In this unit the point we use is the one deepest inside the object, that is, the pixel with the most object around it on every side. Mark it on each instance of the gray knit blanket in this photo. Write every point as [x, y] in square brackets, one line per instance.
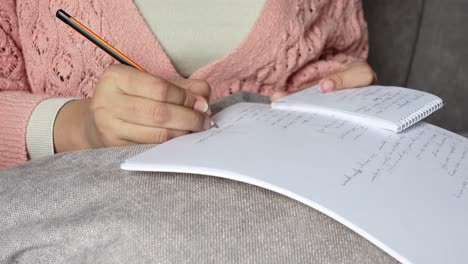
[80, 207]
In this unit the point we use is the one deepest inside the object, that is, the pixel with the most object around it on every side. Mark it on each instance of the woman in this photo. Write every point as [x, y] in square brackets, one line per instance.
[61, 93]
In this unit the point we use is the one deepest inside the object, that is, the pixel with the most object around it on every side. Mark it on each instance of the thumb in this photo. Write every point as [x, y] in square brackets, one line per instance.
[356, 75]
[277, 95]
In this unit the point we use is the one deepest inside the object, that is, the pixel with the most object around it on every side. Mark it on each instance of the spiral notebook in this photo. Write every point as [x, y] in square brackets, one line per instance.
[390, 108]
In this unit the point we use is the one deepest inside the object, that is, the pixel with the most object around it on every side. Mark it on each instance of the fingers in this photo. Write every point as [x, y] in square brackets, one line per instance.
[115, 132]
[278, 95]
[146, 112]
[198, 87]
[356, 75]
[134, 82]
[130, 106]
[132, 133]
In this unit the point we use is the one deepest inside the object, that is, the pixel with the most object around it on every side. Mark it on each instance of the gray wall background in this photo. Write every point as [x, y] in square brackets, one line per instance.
[423, 44]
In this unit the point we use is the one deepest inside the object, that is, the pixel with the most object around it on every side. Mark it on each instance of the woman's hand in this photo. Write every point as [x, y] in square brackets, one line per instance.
[356, 75]
[132, 107]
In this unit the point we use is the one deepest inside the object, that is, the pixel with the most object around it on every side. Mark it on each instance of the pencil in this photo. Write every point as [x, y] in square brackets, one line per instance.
[98, 41]
[93, 37]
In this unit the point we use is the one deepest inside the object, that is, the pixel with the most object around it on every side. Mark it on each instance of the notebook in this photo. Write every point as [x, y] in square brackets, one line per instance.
[405, 192]
[391, 108]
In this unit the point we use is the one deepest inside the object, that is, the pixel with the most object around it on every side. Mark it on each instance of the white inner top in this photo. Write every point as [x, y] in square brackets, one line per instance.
[196, 33]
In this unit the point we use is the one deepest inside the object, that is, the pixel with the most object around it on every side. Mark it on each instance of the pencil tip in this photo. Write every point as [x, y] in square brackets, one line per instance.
[213, 124]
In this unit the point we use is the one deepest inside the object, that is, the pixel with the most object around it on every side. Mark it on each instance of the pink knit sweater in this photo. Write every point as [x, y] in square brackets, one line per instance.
[293, 42]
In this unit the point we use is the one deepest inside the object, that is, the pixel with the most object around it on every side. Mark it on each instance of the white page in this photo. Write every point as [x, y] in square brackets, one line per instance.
[407, 193]
[382, 106]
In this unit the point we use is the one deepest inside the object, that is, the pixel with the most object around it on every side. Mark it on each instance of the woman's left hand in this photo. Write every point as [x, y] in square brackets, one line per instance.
[355, 75]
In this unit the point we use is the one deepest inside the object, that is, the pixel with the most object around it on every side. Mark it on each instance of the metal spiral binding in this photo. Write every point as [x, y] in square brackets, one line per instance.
[417, 116]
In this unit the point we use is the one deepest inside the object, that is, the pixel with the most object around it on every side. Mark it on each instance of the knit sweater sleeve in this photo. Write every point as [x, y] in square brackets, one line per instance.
[16, 99]
[349, 43]
[340, 34]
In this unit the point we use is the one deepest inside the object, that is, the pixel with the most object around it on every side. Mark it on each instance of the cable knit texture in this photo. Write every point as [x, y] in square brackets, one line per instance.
[292, 43]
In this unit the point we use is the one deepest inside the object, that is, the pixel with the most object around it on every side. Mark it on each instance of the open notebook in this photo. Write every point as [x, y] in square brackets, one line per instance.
[407, 193]
[391, 108]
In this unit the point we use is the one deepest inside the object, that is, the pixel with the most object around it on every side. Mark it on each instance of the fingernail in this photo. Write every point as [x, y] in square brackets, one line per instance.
[209, 113]
[207, 123]
[327, 86]
[201, 105]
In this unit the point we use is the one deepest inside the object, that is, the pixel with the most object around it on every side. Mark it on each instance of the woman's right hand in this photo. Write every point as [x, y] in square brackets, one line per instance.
[132, 107]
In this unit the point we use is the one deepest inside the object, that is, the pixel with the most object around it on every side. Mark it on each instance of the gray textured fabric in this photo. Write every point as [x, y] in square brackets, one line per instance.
[441, 60]
[393, 31]
[422, 44]
[80, 207]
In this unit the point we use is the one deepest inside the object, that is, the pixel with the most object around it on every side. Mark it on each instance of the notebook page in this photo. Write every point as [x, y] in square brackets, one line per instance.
[407, 193]
[374, 105]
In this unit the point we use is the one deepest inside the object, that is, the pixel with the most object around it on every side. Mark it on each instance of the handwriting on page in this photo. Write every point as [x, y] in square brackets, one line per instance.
[382, 100]
[449, 153]
[226, 121]
[432, 146]
[462, 190]
[370, 101]
[263, 115]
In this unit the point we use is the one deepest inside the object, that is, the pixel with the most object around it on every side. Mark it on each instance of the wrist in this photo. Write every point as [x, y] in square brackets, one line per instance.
[68, 132]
